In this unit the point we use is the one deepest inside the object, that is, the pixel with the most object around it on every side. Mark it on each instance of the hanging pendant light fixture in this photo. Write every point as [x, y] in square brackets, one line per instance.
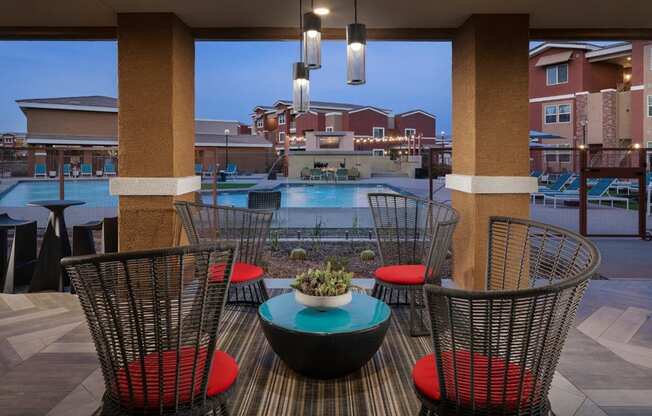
[356, 44]
[300, 77]
[312, 39]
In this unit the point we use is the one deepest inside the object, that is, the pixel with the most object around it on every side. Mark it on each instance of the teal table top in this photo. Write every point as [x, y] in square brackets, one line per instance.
[362, 313]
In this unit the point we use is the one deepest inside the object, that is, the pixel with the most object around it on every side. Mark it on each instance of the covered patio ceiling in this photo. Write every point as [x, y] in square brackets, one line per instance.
[276, 19]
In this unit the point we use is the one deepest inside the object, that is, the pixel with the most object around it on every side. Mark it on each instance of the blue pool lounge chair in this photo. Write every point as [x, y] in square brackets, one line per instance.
[554, 187]
[597, 193]
[109, 169]
[66, 169]
[198, 169]
[86, 169]
[40, 170]
[231, 170]
[208, 172]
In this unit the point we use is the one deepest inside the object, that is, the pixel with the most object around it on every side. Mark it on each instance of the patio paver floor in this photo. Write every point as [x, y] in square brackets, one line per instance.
[47, 363]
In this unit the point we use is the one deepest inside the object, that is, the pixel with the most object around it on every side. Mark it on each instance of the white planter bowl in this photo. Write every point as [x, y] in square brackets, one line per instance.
[322, 303]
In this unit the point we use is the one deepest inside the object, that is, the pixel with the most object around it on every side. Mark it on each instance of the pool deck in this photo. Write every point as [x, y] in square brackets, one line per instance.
[49, 367]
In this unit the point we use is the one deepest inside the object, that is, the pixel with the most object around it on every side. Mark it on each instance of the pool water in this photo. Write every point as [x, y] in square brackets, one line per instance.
[96, 194]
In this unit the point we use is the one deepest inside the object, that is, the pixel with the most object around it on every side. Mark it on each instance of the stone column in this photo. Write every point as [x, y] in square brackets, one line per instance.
[610, 118]
[156, 128]
[490, 135]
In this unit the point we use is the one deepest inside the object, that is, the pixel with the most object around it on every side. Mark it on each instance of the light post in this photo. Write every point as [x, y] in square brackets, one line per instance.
[226, 155]
[443, 135]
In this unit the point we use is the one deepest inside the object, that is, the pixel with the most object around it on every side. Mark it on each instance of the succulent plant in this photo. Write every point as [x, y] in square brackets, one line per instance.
[326, 282]
[367, 255]
[298, 254]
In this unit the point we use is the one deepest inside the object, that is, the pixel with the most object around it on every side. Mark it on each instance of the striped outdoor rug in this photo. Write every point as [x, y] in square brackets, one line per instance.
[266, 386]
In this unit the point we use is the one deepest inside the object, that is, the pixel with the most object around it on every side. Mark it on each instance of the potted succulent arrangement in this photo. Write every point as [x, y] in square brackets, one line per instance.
[323, 289]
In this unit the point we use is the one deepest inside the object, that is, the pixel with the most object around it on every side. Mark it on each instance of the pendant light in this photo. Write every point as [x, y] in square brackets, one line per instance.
[356, 43]
[312, 39]
[300, 77]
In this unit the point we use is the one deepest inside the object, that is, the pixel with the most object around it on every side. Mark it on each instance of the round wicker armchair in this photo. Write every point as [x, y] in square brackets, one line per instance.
[414, 237]
[247, 227]
[495, 351]
[153, 316]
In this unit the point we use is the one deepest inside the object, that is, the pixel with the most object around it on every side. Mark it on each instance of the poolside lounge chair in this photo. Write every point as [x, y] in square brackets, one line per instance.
[208, 173]
[557, 186]
[198, 168]
[342, 174]
[305, 173]
[109, 169]
[86, 169]
[231, 170]
[40, 170]
[315, 174]
[536, 173]
[597, 193]
[66, 169]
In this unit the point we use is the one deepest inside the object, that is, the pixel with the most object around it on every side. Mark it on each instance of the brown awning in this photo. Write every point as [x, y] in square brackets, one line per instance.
[555, 59]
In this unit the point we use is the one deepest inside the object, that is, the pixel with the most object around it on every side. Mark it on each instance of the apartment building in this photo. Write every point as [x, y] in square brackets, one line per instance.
[593, 95]
[372, 127]
[85, 124]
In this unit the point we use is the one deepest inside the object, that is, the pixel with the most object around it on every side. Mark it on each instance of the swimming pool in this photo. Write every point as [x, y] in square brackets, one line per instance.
[96, 194]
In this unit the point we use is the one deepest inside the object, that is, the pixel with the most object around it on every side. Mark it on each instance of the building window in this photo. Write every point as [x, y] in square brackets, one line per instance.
[259, 123]
[378, 132]
[564, 113]
[281, 137]
[281, 118]
[329, 128]
[551, 114]
[557, 74]
[410, 132]
[649, 105]
[378, 152]
[558, 113]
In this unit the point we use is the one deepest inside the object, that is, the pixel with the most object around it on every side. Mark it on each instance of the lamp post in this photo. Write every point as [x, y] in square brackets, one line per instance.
[226, 154]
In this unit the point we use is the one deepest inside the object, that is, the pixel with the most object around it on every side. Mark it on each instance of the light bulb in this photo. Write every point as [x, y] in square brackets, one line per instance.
[356, 46]
[321, 11]
[312, 33]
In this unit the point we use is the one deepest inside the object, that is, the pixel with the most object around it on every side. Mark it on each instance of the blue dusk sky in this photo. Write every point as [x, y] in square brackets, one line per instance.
[234, 77]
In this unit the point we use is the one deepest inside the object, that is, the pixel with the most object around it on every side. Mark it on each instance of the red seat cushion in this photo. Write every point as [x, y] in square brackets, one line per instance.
[426, 380]
[223, 374]
[242, 272]
[402, 274]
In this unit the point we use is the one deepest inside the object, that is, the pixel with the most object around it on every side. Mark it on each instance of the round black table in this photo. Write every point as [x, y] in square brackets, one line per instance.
[324, 344]
[55, 246]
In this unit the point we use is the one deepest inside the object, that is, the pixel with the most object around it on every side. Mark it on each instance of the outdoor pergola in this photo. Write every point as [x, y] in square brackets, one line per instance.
[156, 59]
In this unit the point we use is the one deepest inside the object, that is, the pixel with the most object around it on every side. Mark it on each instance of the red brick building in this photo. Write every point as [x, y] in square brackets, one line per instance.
[373, 127]
[593, 95]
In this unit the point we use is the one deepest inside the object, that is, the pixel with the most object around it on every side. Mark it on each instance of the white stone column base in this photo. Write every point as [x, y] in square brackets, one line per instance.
[148, 186]
[471, 184]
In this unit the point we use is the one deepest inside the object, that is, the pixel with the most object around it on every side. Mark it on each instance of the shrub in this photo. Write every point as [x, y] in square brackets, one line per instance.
[367, 255]
[298, 254]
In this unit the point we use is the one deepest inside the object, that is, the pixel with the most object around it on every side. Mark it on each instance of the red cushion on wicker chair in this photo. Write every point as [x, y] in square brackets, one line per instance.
[223, 374]
[426, 380]
[402, 274]
[242, 272]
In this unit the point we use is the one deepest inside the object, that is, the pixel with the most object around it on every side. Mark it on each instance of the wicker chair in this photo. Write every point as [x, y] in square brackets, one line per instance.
[495, 351]
[414, 238]
[153, 316]
[264, 200]
[249, 228]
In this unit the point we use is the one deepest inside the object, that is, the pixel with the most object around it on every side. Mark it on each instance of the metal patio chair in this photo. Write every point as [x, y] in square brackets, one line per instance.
[414, 237]
[246, 227]
[495, 351]
[153, 316]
